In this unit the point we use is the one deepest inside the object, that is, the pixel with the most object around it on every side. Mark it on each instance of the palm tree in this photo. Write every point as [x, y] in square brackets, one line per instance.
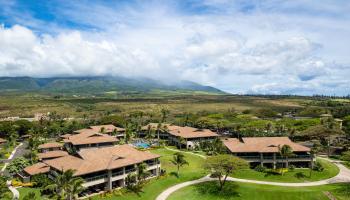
[142, 172]
[165, 113]
[66, 185]
[76, 187]
[179, 161]
[149, 133]
[129, 134]
[286, 151]
[159, 126]
[292, 133]
[181, 142]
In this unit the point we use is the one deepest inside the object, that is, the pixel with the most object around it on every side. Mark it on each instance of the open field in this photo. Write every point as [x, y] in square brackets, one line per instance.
[29, 104]
[238, 191]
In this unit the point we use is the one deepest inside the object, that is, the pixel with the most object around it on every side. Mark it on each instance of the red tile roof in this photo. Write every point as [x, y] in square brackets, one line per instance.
[38, 168]
[93, 160]
[261, 145]
[50, 145]
[90, 138]
[190, 132]
[107, 128]
[52, 154]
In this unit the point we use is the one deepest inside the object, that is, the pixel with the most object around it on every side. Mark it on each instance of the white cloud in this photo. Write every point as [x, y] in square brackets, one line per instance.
[257, 51]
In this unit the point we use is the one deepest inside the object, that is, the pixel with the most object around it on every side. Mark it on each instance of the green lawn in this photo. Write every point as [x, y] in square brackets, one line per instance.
[240, 191]
[330, 170]
[156, 186]
[25, 190]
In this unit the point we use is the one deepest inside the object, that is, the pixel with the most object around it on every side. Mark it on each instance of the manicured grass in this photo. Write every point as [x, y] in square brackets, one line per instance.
[330, 170]
[23, 191]
[240, 191]
[156, 186]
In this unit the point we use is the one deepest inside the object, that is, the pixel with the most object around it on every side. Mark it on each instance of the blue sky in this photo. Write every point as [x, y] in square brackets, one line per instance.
[266, 47]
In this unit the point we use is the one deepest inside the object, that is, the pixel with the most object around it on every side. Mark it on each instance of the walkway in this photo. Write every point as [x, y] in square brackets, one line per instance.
[13, 190]
[15, 153]
[12, 156]
[343, 176]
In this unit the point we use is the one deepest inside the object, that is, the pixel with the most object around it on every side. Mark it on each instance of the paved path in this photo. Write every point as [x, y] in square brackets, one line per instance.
[176, 150]
[12, 156]
[343, 176]
[15, 153]
[13, 190]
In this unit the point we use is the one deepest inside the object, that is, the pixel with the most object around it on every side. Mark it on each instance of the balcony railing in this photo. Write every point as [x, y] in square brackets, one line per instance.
[277, 157]
[250, 157]
[130, 170]
[89, 179]
[117, 173]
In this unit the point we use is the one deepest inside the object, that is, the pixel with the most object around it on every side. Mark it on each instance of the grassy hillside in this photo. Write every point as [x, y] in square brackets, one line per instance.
[100, 86]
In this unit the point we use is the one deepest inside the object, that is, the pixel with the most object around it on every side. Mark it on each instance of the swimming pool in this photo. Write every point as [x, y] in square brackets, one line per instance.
[142, 145]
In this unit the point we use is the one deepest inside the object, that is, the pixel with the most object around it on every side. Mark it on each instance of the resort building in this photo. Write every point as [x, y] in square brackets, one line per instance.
[188, 136]
[50, 146]
[109, 129]
[266, 151]
[88, 138]
[155, 127]
[102, 168]
[51, 150]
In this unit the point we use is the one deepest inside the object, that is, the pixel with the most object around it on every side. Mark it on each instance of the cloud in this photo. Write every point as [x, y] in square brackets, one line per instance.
[269, 47]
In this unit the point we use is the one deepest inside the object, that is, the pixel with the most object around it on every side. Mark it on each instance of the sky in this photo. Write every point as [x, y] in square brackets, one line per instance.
[240, 46]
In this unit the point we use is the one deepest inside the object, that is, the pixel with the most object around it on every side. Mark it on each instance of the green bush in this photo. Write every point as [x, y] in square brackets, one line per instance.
[318, 167]
[345, 156]
[300, 175]
[291, 167]
[260, 168]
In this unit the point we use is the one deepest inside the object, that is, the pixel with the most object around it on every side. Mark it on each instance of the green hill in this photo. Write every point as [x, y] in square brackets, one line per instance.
[101, 85]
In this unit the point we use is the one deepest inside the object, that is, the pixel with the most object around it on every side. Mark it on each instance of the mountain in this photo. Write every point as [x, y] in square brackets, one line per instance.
[101, 85]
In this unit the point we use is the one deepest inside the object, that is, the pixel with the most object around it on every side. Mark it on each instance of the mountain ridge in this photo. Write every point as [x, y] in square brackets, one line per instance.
[99, 84]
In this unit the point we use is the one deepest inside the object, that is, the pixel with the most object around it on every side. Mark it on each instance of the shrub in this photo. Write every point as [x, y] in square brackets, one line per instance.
[345, 156]
[260, 168]
[17, 165]
[318, 167]
[41, 180]
[291, 167]
[300, 175]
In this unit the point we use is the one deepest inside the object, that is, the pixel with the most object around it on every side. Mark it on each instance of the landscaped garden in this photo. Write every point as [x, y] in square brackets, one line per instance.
[154, 187]
[292, 175]
[238, 191]
[194, 170]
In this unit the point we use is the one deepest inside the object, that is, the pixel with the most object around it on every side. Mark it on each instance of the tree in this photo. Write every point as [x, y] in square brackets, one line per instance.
[286, 151]
[179, 161]
[132, 184]
[17, 165]
[150, 133]
[181, 142]
[142, 172]
[223, 165]
[164, 113]
[66, 186]
[129, 133]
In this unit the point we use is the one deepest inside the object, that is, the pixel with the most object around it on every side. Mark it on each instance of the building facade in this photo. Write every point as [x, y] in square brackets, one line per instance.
[265, 151]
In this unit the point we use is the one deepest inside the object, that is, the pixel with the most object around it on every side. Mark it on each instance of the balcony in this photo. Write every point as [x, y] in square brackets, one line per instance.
[117, 173]
[94, 178]
[130, 170]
